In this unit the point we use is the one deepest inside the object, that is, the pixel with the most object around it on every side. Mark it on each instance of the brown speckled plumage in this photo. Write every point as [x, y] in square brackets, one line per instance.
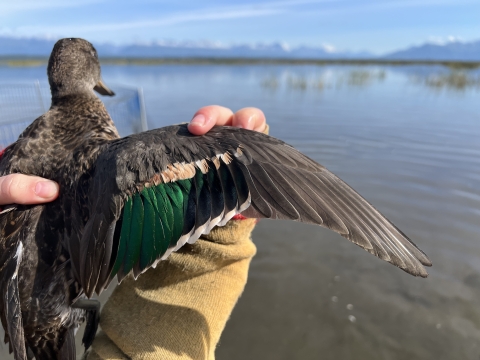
[61, 145]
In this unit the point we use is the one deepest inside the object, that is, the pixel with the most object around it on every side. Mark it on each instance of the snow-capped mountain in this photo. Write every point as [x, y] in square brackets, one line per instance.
[36, 47]
[205, 49]
[450, 51]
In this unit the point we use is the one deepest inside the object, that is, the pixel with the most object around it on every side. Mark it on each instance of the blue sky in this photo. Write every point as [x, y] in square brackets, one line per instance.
[375, 25]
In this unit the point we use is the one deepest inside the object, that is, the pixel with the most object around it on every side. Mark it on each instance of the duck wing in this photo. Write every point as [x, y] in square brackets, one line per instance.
[153, 192]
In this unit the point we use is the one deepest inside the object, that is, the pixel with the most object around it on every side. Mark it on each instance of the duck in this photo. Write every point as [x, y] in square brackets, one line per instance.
[127, 203]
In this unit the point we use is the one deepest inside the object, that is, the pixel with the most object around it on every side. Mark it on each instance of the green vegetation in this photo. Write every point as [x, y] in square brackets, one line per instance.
[38, 61]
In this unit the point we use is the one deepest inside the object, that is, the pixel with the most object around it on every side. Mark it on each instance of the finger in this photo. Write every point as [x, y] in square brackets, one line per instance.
[250, 118]
[23, 189]
[209, 116]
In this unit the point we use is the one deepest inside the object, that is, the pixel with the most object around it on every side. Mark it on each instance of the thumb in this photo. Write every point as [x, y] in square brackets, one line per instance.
[24, 189]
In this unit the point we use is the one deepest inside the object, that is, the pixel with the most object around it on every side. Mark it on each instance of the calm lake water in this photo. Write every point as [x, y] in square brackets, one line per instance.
[408, 139]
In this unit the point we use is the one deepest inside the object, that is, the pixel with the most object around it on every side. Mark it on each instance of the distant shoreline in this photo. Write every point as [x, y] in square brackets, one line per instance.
[41, 61]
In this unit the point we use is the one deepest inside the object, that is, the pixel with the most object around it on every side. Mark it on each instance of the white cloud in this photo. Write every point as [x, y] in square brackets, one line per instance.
[211, 14]
[441, 40]
[285, 46]
[329, 48]
[11, 7]
[418, 3]
[159, 22]
[452, 38]
[387, 5]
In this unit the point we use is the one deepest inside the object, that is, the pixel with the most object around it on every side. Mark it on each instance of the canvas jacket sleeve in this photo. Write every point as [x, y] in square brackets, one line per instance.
[179, 309]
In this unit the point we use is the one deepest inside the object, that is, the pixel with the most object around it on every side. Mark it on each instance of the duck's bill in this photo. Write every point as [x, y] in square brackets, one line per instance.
[103, 89]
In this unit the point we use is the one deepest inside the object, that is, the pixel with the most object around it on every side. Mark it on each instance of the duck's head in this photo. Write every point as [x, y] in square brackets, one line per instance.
[74, 69]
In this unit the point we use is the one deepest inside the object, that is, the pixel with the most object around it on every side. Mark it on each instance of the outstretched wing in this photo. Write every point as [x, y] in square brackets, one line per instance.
[153, 192]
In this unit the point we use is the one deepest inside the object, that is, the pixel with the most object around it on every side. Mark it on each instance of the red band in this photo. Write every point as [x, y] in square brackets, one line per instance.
[241, 217]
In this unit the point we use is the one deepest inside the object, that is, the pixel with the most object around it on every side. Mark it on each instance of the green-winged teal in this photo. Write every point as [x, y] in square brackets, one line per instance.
[127, 203]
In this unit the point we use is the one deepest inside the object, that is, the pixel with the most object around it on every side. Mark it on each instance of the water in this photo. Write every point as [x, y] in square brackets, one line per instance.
[408, 144]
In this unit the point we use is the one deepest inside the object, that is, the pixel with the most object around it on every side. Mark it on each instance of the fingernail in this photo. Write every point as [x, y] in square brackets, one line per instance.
[46, 189]
[199, 120]
[250, 123]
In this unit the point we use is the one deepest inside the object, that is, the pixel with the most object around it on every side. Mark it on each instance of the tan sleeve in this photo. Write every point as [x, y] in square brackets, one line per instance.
[179, 309]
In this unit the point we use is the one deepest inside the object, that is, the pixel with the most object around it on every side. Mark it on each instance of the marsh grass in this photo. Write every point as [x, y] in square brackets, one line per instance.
[457, 80]
[454, 65]
[270, 82]
[293, 82]
[23, 62]
[362, 77]
[297, 82]
[301, 82]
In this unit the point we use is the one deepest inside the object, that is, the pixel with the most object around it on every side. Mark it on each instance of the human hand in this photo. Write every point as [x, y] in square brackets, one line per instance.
[24, 189]
[209, 116]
